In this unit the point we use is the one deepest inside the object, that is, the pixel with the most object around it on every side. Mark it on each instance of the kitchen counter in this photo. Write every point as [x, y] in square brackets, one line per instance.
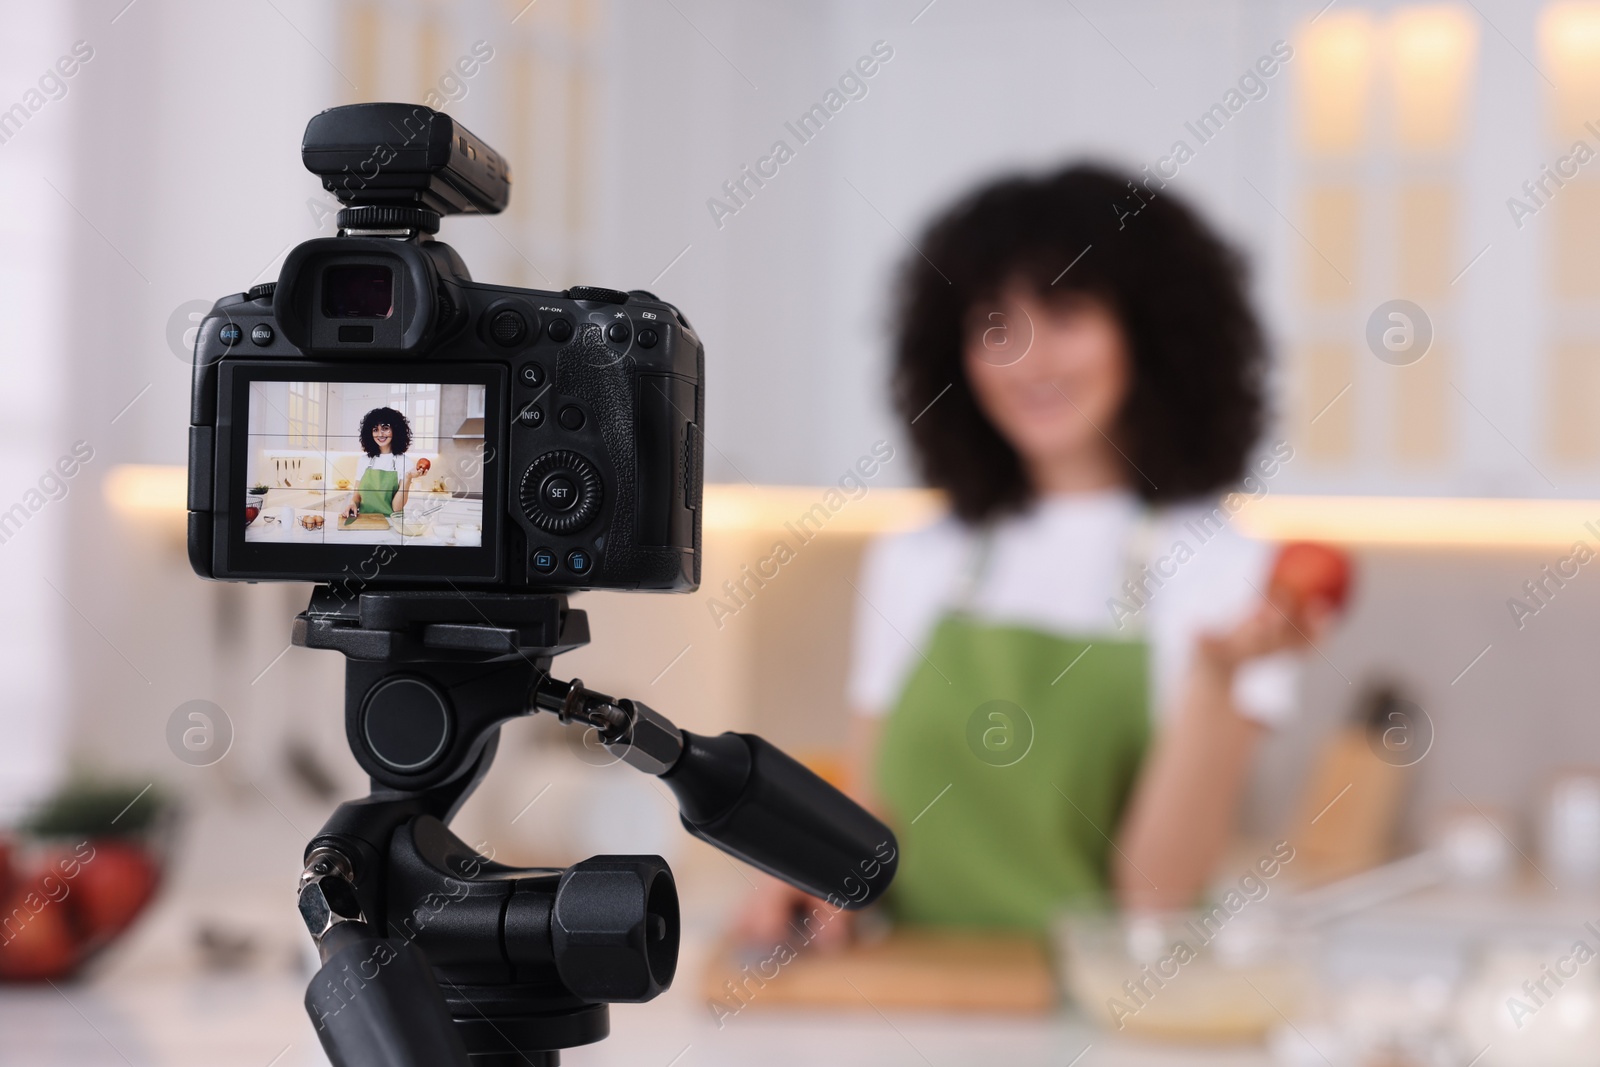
[150, 1002]
[253, 1020]
[279, 521]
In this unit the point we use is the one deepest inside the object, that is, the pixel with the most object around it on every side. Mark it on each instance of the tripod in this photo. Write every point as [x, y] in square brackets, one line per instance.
[433, 954]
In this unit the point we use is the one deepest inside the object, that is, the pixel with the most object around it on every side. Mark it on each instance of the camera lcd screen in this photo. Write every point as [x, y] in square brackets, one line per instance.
[358, 291]
[365, 463]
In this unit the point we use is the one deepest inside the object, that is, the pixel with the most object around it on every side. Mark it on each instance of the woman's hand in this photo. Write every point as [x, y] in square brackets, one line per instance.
[779, 912]
[1181, 816]
[352, 511]
[1277, 625]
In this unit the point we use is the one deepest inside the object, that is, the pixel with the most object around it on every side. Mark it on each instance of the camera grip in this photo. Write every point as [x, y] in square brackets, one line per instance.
[754, 802]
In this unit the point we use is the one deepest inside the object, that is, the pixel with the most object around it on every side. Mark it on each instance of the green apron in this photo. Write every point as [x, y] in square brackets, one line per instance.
[1005, 767]
[377, 489]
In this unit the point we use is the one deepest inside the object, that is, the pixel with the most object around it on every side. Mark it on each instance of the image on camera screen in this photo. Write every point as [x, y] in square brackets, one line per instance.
[365, 463]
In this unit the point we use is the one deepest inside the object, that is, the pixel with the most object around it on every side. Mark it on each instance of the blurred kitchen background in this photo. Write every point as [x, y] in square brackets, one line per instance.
[1427, 152]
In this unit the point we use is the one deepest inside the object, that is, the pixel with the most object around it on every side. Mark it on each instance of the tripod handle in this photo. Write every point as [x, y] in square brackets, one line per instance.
[375, 1003]
[747, 797]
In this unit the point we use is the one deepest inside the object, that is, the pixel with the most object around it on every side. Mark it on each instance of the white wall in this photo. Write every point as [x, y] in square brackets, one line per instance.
[39, 637]
[791, 294]
[184, 159]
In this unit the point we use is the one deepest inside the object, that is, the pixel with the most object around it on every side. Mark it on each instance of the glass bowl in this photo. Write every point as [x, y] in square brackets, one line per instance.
[1213, 975]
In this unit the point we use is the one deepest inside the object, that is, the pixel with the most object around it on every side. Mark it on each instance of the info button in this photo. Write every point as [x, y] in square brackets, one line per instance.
[559, 493]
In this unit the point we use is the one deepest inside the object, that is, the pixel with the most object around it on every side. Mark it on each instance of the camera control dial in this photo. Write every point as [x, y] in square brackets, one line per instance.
[560, 492]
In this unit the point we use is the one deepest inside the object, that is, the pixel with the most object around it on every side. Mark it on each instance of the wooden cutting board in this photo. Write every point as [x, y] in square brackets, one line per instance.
[365, 522]
[919, 970]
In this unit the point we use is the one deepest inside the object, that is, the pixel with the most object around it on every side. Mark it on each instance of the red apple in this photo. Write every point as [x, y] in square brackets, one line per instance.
[1309, 573]
[112, 887]
[423, 465]
[35, 945]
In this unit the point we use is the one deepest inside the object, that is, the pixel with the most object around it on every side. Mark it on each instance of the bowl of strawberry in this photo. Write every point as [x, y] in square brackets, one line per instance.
[75, 876]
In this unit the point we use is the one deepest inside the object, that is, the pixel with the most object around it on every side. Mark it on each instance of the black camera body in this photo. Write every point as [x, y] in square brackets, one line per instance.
[376, 419]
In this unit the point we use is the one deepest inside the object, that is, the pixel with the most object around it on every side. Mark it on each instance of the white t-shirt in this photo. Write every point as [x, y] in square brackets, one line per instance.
[383, 461]
[1060, 567]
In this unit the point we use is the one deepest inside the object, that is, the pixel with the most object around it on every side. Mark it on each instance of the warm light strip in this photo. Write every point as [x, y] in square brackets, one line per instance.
[148, 490]
[135, 490]
[754, 509]
[1421, 521]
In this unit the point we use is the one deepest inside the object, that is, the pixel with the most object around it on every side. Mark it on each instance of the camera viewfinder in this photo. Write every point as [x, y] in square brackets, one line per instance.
[358, 291]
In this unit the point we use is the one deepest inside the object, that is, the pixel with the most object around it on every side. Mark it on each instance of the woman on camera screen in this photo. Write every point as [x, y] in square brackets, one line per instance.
[1059, 684]
[383, 483]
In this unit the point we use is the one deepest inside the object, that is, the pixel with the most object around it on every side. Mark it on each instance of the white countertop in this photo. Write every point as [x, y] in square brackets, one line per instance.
[254, 1020]
[150, 1003]
[440, 514]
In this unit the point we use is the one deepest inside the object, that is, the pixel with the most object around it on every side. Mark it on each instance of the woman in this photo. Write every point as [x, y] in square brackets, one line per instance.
[381, 489]
[1059, 685]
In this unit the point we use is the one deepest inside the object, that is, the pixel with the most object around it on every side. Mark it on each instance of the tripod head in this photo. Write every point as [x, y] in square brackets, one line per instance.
[432, 952]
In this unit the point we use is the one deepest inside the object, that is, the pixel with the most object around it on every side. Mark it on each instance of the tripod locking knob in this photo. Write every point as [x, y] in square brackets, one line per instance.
[327, 892]
[641, 736]
[614, 928]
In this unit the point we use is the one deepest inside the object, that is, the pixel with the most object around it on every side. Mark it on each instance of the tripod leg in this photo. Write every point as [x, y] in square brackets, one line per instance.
[375, 1003]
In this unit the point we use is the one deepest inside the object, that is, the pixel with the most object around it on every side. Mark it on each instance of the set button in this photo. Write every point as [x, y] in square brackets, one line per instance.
[559, 493]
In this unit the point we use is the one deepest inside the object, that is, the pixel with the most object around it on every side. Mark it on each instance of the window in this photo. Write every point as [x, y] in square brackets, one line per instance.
[306, 400]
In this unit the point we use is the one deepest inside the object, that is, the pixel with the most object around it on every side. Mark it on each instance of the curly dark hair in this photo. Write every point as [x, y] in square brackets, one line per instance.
[398, 427]
[1195, 404]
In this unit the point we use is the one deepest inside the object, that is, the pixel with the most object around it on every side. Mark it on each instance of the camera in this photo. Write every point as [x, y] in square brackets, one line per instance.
[446, 460]
[377, 419]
